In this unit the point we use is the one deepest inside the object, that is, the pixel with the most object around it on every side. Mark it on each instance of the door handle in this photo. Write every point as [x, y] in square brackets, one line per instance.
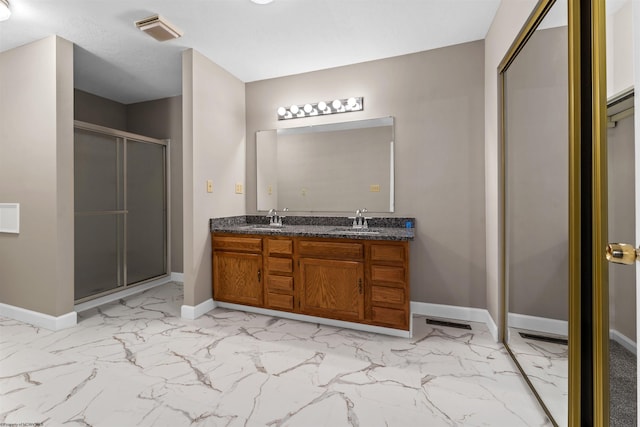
[622, 253]
[259, 275]
[360, 286]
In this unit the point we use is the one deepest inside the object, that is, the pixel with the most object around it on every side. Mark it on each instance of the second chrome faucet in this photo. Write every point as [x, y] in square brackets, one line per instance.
[360, 221]
[275, 220]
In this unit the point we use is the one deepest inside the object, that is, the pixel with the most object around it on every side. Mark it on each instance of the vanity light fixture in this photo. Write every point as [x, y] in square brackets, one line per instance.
[5, 10]
[321, 108]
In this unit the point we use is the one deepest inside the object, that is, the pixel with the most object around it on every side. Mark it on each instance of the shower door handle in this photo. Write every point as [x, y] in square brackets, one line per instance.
[622, 253]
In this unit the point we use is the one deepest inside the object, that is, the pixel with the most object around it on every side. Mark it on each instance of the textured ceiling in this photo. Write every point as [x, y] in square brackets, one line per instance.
[115, 60]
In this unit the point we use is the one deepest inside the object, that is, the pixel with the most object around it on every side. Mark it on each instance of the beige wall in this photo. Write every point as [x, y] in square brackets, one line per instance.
[622, 214]
[510, 17]
[162, 119]
[619, 50]
[437, 100]
[213, 148]
[36, 170]
[101, 111]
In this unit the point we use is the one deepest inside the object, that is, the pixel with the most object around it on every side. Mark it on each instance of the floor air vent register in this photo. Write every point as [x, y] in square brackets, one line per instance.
[449, 324]
[544, 338]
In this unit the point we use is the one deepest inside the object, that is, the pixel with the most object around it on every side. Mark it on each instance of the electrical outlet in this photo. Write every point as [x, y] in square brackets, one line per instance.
[238, 188]
[209, 186]
[269, 190]
[374, 188]
[303, 192]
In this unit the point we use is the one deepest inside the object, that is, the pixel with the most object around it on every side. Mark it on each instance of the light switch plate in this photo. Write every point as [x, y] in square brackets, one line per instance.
[238, 188]
[374, 188]
[209, 186]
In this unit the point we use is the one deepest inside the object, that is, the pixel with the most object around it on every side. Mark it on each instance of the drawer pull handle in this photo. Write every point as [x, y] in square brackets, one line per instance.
[259, 275]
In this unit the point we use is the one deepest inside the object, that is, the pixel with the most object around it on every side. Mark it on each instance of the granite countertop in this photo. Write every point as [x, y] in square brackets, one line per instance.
[389, 228]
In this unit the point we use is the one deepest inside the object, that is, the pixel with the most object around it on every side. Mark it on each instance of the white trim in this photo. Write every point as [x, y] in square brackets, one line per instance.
[191, 312]
[87, 305]
[455, 312]
[177, 277]
[624, 341]
[540, 324]
[314, 319]
[36, 318]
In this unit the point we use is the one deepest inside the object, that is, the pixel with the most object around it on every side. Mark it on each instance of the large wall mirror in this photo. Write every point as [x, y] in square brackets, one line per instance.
[336, 167]
[536, 208]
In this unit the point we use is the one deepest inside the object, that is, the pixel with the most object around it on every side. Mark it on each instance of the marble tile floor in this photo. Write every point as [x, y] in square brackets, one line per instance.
[137, 363]
[547, 367]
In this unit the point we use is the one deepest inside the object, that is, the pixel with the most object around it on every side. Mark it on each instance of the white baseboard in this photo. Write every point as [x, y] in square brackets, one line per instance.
[87, 305]
[314, 319]
[177, 277]
[455, 312]
[193, 312]
[54, 323]
[540, 324]
[624, 341]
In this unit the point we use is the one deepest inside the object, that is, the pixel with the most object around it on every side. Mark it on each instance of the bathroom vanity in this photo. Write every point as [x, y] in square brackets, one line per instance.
[325, 271]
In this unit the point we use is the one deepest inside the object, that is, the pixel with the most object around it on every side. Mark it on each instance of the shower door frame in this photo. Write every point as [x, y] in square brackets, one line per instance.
[124, 136]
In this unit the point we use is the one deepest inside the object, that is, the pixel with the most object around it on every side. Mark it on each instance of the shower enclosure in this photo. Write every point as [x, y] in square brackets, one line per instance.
[121, 215]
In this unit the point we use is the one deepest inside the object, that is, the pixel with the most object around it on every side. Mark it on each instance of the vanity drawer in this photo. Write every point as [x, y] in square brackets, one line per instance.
[279, 246]
[280, 265]
[386, 295]
[337, 250]
[393, 276]
[279, 283]
[233, 243]
[280, 301]
[390, 317]
[388, 253]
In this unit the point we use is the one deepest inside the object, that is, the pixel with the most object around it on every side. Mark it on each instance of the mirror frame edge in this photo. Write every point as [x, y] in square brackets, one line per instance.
[574, 338]
[600, 286]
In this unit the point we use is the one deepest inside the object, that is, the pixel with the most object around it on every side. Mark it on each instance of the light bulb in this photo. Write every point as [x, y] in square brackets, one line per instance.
[308, 108]
[5, 11]
[294, 109]
[336, 104]
[322, 105]
[282, 111]
[351, 102]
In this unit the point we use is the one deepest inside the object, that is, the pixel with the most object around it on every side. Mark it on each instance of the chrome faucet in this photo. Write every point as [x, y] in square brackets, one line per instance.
[273, 217]
[360, 221]
[275, 220]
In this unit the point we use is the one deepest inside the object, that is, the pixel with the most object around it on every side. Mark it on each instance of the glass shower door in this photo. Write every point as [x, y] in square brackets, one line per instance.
[120, 210]
[99, 213]
[146, 211]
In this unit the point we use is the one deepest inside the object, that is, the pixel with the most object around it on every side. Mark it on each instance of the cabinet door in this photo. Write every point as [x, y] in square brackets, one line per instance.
[332, 288]
[237, 277]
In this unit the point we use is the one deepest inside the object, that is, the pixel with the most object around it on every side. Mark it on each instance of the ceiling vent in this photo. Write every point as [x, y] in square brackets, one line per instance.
[159, 28]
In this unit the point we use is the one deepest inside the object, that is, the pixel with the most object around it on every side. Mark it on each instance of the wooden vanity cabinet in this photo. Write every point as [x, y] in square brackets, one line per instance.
[389, 283]
[364, 281]
[279, 285]
[331, 277]
[237, 270]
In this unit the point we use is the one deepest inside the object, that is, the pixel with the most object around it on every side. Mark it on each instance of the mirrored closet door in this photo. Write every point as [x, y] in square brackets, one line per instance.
[536, 208]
